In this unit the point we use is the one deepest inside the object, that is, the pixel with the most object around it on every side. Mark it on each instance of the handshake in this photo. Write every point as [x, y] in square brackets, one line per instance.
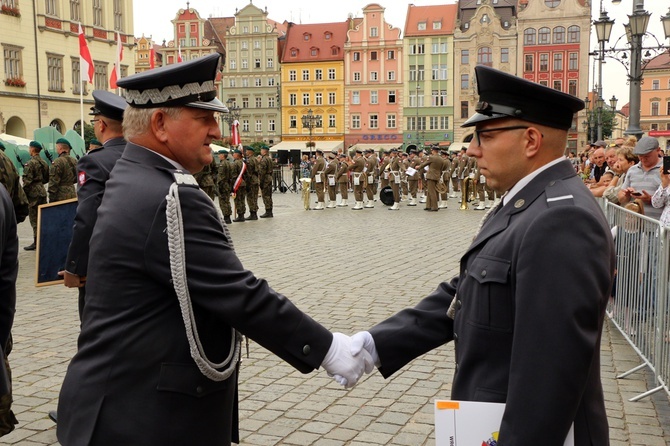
[349, 357]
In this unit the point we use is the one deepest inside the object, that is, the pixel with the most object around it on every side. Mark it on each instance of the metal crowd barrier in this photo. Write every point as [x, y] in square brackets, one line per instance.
[640, 300]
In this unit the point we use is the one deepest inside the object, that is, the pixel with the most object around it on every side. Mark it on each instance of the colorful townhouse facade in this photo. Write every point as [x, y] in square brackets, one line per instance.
[655, 98]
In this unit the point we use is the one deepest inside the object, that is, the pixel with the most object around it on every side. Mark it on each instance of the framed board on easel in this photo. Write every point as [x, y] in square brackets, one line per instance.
[54, 232]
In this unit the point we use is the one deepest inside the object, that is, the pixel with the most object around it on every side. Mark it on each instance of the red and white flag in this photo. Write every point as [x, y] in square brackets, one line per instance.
[179, 58]
[86, 67]
[116, 71]
[152, 57]
[240, 177]
[235, 139]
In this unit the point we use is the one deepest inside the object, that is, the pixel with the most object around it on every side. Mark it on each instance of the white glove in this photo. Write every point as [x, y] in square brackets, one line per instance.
[363, 341]
[342, 365]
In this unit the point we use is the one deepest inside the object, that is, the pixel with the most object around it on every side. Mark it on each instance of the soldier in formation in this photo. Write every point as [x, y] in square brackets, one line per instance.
[224, 183]
[342, 179]
[238, 175]
[206, 180]
[393, 168]
[329, 177]
[443, 184]
[357, 169]
[372, 174]
[265, 172]
[318, 181]
[35, 176]
[252, 183]
[63, 173]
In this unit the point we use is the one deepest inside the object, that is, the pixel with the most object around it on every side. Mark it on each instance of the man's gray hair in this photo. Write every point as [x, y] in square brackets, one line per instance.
[136, 121]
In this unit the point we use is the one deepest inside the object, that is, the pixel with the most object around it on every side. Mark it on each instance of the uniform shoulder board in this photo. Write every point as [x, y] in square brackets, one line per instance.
[184, 179]
[558, 194]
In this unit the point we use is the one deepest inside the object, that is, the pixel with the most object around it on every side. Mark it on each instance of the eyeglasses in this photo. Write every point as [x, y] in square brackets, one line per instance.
[93, 121]
[497, 129]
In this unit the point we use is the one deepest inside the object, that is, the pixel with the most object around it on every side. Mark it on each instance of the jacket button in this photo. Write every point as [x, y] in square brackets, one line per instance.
[455, 337]
[484, 273]
[459, 304]
[198, 389]
[465, 271]
[306, 350]
[456, 369]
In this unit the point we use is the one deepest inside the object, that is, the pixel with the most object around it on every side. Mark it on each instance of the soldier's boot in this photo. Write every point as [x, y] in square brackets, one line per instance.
[444, 204]
[343, 203]
[395, 207]
[358, 206]
[227, 220]
[319, 206]
[239, 219]
[480, 206]
[487, 203]
[369, 204]
[268, 214]
[252, 215]
[412, 202]
[423, 199]
[331, 205]
[31, 247]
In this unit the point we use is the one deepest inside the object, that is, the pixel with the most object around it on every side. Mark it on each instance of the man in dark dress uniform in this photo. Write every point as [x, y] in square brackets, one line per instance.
[167, 299]
[526, 311]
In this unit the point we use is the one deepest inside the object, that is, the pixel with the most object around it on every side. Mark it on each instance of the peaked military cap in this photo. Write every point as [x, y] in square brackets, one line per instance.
[184, 84]
[318, 152]
[108, 104]
[502, 95]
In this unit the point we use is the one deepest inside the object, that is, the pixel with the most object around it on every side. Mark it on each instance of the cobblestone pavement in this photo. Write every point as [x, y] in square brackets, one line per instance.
[349, 270]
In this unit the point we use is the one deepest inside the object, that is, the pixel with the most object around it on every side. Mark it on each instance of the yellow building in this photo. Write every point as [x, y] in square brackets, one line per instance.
[40, 82]
[312, 79]
[146, 51]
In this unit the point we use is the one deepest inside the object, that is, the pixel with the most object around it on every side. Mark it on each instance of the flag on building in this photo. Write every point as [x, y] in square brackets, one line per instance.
[116, 71]
[235, 139]
[179, 58]
[152, 57]
[86, 67]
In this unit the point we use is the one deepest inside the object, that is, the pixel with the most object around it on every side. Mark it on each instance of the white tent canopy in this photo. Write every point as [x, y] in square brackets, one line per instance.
[17, 140]
[300, 145]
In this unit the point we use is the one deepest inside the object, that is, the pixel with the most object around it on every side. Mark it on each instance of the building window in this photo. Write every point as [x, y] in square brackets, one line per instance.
[374, 31]
[270, 62]
[118, 15]
[529, 36]
[314, 52]
[245, 44]
[50, 8]
[559, 34]
[245, 103]
[233, 64]
[390, 75]
[504, 55]
[100, 78]
[271, 102]
[374, 121]
[465, 112]
[373, 55]
[271, 82]
[654, 108]
[558, 85]
[331, 74]
[232, 83]
[318, 74]
[245, 64]
[552, 3]
[75, 10]
[305, 99]
[258, 82]
[528, 63]
[374, 97]
[444, 122]
[318, 98]
[355, 97]
[435, 72]
[259, 102]
[390, 121]
[257, 62]
[465, 57]
[439, 48]
[305, 75]
[374, 76]
[13, 66]
[292, 75]
[667, 110]
[543, 36]
[245, 82]
[573, 61]
[271, 125]
[259, 125]
[245, 125]
[437, 25]
[194, 42]
[558, 61]
[433, 123]
[465, 81]
[412, 72]
[485, 56]
[331, 98]
[327, 36]
[355, 121]
[97, 12]
[421, 26]
[293, 122]
[417, 48]
[572, 87]
[357, 76]
[544, 62]
[76, 77]
[357, 56]
[544, 83]
[573, 34]
[390, 54]
[391, 97]
[257, 44]
[655, 84]
[292, 99]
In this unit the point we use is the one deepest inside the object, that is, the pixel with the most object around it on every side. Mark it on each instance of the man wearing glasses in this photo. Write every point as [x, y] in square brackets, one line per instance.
[526, 311]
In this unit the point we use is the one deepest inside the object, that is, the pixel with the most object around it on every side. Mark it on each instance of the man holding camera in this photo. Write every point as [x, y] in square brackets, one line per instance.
[643, 178]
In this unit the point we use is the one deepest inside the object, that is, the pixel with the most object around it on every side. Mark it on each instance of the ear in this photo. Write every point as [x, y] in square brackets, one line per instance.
[533, 140]
[159, 125]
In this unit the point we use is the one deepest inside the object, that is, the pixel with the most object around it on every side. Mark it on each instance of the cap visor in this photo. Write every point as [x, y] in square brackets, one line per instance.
[479, 117]
[214, 105]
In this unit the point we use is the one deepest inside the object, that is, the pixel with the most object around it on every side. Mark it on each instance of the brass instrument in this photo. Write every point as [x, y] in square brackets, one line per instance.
[468, 192]
[442, 187]
[305, 191]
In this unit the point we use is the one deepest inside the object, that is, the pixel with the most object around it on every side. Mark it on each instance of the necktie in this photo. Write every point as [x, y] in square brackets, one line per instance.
[490, 213]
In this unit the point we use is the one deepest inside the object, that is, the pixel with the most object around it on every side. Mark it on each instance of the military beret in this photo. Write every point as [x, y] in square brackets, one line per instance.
[108, 104]
[2, 146]
[63, 141]
[35, 144]
[94, 142]
[645, 145]
[502, 95]
[249, 149]
[222, 152]
[238, 151]
[184, 84]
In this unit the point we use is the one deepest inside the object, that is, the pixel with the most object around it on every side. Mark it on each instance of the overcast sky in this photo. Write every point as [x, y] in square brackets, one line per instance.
[154, 21]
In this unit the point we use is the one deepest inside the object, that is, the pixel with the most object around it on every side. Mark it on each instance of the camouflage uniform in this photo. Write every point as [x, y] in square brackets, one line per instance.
[225, 185]
[240, 206]
[62, 177]
[9, 177]
[205, 179]
[265, 171]
[252, 184]
[35, 176]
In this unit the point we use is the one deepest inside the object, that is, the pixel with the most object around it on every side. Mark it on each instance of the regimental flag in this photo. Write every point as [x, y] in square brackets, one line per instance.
[235, 139]
[179, 58]
[86, 67]
[116, 71]
[152, 57]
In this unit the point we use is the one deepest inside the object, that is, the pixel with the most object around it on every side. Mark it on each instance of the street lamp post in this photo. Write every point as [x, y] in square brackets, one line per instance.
[232, 115]
[309, 121]
[603, 31]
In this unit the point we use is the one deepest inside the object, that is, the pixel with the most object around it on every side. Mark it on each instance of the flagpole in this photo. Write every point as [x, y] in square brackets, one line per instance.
[81, 109]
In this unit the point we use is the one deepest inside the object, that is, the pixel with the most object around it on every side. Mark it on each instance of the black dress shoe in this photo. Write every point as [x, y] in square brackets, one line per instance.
[53, 415]
[30, 247]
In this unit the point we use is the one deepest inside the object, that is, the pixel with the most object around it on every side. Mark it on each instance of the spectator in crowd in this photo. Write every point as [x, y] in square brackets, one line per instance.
[661, 198]
[625, 160]
[643, 178]
[599, 165]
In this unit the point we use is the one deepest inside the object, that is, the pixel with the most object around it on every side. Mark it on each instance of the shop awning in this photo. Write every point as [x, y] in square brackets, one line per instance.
[300, 145]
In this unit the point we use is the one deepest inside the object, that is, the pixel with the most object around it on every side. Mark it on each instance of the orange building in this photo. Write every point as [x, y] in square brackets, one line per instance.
[655, 103]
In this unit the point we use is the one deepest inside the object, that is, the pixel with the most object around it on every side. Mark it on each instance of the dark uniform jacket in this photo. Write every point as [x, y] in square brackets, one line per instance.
[265, 169]
[530, 313]
[435, 164]
[35, 176]
[62, 177]
[92, 173]
[132, 380]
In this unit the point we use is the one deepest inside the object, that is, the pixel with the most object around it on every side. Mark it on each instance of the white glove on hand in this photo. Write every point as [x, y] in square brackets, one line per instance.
[342, 365]
[363, 341]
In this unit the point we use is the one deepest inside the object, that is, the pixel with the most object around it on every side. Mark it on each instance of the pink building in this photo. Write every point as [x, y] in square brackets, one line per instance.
[373, 82]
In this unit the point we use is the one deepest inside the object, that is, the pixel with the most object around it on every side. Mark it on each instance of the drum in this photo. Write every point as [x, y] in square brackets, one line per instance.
[386, 196]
